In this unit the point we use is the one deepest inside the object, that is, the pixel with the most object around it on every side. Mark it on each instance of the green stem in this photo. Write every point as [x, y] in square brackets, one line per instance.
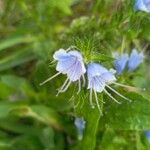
[92, 117]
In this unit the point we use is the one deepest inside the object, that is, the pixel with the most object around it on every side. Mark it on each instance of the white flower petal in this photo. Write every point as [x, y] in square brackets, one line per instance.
[108, 77]
[142, 5]
[65, 64]
[76, 54]
[135, 60]
[95, 69]
[59, 54]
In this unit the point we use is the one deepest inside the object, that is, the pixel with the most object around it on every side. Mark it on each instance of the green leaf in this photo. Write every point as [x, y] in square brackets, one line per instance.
[14, 41]
[17, 126]
[17, 58]
[40, 113]
[13, 81]
[27, 142]
[63, 6]
[133, 115]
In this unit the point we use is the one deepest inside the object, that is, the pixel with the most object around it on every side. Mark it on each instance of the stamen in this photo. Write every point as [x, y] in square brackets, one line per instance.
[84, 81]
[91, 102]
[111, 96]
[81, 105]
[96, 98]
[50, 78]
[118, 93]
[79, 86]
[63, 90]
[128, 87]
[72, 98]
[62, 87]
[75, 106]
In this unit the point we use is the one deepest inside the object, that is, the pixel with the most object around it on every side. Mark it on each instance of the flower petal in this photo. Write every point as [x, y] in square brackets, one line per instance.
[142, 5]
[108, 77]
[120, 62]
[135, 60]
[76, 54]
[59, 54]
[95, 69]
[64, 64]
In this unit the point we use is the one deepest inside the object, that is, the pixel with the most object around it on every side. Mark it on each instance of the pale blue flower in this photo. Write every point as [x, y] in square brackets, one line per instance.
[120, 62]
[69, 63]
[147, 133]
[99, 78]
[143, 5]
[135, 60]
[80, 125]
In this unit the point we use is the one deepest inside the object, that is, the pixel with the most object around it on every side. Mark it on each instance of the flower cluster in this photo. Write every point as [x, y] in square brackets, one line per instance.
[132, 62]
[71, 63]
[143, 5]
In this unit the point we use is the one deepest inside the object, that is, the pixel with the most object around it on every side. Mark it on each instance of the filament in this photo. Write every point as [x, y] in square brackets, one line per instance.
[91, 102]
[79, 86]
[65, 88]
[50, 78]
[128, 87]
[111, 96]
[61, 88]
[96, 98]
[84, 82]
[118, 93]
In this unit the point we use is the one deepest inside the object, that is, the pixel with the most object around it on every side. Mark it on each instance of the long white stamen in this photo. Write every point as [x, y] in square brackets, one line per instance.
[91, 102]
[50, 78]
[63, 90]
[79, 86]
[84, 81]
[81, 105]
[96, 98]
[128, 87]
[111, 96]
[118, 93]
[71, 99]
[75, 106]
[62, 87]
[64, 84]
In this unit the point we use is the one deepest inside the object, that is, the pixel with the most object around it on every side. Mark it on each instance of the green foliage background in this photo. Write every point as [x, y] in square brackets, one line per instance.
[31, 116]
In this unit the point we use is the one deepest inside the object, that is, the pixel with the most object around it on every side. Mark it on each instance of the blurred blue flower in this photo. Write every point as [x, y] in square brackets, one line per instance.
[80, 125]
[143, 5]
[99, 78]
[147, 133]
[69, 63]
[135, 60]
[120, 62]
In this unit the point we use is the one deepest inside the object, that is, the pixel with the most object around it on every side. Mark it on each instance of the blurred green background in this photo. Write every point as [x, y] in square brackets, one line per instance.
[31, 116]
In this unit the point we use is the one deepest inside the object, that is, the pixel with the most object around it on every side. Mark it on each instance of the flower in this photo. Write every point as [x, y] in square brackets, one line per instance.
[80, 125]
[143, 5]
[147, 133]
[120, 62]
[135, 59]
[69, 63]
[99, 78]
